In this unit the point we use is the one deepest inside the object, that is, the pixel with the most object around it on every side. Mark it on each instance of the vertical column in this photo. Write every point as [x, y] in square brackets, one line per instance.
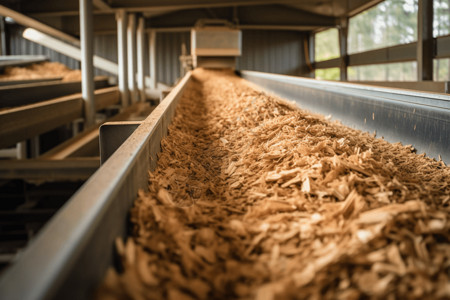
[152, 56]
[121, 18]
[425, 43]
[21, 149]
[140, 58]
[87, 70]
[343, 34]
[312, 53]
[131, 43]
[2, 36]
[35, 145]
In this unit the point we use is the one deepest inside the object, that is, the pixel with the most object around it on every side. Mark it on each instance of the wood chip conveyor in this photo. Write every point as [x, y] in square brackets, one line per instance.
[68, 259]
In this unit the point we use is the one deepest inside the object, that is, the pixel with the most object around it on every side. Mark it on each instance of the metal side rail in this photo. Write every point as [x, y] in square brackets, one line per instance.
[69, 257]
[413, 118]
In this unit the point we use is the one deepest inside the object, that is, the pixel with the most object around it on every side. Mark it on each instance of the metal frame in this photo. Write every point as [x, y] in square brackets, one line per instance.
[152, 58]
[29, 93]
[87, 69]
[75, 247]
[72, 169]
[425, 46]
[87, 142]
[131, 53]
[28, 121]
[121, 18]
[423, 51]
[30, 22]
[67, 49]
[141, 58]
[113, 135]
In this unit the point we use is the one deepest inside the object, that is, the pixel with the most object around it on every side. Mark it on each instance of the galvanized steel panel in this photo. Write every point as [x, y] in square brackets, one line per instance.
[272, 51]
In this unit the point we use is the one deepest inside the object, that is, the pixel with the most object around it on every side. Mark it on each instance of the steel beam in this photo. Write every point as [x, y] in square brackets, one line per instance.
[67, 49]
[30, 22]
[87, 69]
[49, 170]
[87, 143]
[3, 45]
[331, 63]
[101, 5]
[131, 51]
[398, 53]
[423, 86]
[343, 42]
[24, 94]
[311, 40]
[152, 59]
[121, 18]
[425, 44]
[416, 118]
[27, 121]
[443, 47]
[74, 248]
[141, 58]
[20, 60]
[113, 135]
[11, 83]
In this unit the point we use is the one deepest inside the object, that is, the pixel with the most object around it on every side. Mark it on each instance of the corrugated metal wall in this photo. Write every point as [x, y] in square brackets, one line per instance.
[21, 46]
[273, 52]
[266, 51]
[168, 51]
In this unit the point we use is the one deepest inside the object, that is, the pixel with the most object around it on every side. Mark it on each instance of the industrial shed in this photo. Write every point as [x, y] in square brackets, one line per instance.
[224, 149]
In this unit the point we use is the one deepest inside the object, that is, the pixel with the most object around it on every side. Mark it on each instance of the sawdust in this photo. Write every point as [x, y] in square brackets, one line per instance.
[41, 70]
[255, 199]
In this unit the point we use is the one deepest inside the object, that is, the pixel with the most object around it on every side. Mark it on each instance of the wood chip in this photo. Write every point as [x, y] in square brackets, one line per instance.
[255, 198]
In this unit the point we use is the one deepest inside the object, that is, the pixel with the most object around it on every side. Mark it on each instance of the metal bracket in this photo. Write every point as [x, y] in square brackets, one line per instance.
[113, 135]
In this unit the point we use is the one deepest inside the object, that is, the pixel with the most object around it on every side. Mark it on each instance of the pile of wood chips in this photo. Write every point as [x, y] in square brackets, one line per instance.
[254, 198]
[41, 70]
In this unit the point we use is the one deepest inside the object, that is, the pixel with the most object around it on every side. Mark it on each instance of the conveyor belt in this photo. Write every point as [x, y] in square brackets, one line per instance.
[70, 256]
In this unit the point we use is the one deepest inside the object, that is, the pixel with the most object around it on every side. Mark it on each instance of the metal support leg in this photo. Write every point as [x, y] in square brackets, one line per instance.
[425, 44]
[87, 54]
[2, 36]
[35, 146]
[312, 53]
[131, 44]
[140, 58]
[343, 33]
[22, 150]
[152, 55]
[121, 18]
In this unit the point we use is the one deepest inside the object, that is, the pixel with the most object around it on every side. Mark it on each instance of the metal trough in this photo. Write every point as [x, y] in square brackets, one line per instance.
[71, 254]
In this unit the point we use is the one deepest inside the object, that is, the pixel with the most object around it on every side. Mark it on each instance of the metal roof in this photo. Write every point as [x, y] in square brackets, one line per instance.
[304, 15]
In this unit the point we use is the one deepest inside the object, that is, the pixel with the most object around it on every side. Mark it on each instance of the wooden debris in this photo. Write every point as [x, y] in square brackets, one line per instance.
[256, 199]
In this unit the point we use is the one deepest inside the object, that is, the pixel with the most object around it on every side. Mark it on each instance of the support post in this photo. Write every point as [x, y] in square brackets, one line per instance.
[2, 37]
[343, 34]
[121, 18]
[21, 150]
[87, 54]
[35, 145]
[131, 44]
[312, 53]
[140, 58]
[425, 43]
[152, 59]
